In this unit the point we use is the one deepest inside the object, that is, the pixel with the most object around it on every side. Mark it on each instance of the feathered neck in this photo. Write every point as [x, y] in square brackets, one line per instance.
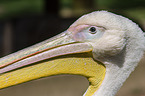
[119, 67]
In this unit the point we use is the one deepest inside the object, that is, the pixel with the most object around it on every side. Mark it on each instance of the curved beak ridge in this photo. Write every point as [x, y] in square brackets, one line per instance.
[58, 55]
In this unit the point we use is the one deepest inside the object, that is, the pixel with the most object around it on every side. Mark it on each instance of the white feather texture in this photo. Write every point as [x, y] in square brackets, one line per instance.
[120, 48]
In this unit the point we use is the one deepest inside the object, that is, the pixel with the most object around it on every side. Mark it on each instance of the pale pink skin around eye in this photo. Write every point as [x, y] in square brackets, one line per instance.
[75, 30]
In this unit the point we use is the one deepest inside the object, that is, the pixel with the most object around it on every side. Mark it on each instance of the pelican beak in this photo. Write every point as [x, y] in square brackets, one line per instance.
[58, 55]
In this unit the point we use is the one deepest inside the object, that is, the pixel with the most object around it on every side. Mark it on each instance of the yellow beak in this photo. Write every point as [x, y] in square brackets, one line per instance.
[58, 55]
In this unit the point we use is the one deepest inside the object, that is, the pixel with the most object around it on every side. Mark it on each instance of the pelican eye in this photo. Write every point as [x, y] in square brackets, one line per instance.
[92, 30]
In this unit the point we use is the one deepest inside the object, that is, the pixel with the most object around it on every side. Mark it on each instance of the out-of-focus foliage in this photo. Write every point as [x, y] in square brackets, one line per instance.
[138, 13]
[121, 4]
[14, 8]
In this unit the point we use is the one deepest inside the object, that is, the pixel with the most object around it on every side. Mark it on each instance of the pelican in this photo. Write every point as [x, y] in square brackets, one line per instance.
[102, 46]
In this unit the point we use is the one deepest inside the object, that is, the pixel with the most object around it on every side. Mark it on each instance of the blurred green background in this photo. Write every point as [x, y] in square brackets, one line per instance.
[26, 22]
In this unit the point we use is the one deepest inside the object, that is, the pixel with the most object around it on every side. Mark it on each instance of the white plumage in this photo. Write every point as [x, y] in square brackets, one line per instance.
[120, 49]
[116, 41]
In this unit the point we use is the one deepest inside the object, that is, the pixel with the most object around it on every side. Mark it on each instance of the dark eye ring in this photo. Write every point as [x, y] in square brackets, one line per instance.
[92, 30]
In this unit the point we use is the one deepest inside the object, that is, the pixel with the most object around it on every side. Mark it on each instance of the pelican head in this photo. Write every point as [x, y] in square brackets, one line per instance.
[102, 46]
